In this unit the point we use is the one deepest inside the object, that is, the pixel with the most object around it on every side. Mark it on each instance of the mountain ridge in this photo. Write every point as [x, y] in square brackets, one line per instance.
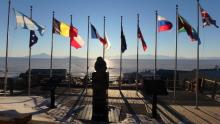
[141, 56]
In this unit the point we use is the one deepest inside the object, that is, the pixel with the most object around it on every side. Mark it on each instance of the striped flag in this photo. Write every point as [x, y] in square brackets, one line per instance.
[95, 35]
[27, 23]
[61, 28]
[164, 24]
[140, 36]
[75, 39]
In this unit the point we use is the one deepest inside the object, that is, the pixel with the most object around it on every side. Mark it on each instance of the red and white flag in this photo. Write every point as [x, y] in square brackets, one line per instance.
[140, 36]
[108, 44]
[75, 39]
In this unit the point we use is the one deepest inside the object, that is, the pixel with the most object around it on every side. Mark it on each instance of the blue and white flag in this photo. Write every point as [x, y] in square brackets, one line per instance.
[27, 23]
[94, 33]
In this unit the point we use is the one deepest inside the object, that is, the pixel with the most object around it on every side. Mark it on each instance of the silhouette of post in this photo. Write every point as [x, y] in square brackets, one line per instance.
[6, 53]
[155, 62]
[52, 83]
[104, 38]
[51, 55]
[29, 61]
[120, 79]
[137, 53]
[70, 57]
[100, 80]
[87, 58]
[175, 72]
[197, 70]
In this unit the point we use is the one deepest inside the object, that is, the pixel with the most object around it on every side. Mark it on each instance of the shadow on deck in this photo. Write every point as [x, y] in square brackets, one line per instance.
[126, 106]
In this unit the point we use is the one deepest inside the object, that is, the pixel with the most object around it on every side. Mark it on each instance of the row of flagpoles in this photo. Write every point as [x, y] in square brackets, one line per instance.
[63, 29]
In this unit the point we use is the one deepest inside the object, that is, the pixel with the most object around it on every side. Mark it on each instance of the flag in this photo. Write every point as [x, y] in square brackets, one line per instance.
[184, 26]
[27, 23]
[108, 44]
[56, 26]
[33, 38]
[163, 24]
[75, 39]
[61, 28]
[140, 36]
[207, 19]
[77, 42]
[95, 35]
[123, 41]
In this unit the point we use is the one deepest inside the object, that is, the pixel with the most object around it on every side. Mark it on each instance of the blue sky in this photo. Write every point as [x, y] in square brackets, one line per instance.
[112, 9]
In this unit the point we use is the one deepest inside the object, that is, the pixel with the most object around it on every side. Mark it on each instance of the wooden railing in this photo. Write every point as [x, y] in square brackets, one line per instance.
[203, 84]
[214, 88]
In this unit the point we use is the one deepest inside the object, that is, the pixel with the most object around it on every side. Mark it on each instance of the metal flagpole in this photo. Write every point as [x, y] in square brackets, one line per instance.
[175, 72]
[29, 62]
[155, 69]
[104, 37]
[70, 57]
[120, 81]
[51, 55]
[6, 56]
[197, 70]
[137, 52]
[87, 64]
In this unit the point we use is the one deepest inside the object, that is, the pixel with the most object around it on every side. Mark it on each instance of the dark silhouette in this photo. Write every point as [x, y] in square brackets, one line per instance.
[154, 88]
[100, 80]
[100, 65]
[52, 83]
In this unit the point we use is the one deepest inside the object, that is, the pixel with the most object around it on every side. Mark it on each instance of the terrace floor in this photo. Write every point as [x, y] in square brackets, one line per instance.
[74, 105]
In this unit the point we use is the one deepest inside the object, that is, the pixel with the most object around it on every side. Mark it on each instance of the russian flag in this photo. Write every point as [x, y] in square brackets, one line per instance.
[163, 24]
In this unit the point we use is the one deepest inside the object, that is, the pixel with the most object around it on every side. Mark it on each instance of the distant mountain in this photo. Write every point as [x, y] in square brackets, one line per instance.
[41, 55]
[145, 57]
[46, 56]
[210, 58]
[141, 56]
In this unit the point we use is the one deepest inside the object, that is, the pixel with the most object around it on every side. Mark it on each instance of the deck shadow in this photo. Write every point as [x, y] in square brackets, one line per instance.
[178, 115]
[131, 111]
[74, 108]
[196, 115]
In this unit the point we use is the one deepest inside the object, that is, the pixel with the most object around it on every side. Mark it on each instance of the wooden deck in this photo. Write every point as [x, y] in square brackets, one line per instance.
[131, 105]
[74, 105]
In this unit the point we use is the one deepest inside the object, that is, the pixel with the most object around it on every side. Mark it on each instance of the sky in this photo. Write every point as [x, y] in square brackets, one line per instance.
[112, 9]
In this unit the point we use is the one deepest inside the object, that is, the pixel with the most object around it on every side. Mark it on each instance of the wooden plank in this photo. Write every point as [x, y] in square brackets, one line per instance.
[114, 113]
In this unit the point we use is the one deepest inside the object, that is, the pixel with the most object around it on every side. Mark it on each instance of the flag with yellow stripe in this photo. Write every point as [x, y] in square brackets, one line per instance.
[61, 28]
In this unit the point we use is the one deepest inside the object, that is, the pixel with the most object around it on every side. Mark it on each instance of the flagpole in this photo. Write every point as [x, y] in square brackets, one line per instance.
[29, 63]
[51, 55]
[87, 64]
[137, 52]
[155, 69]
[175, 72]
[6, 55]
[120, 81]
[104, 37]
[70, 57]
[197, 70]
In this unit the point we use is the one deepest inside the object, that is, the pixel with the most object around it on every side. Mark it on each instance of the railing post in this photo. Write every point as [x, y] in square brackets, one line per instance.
[214, 90]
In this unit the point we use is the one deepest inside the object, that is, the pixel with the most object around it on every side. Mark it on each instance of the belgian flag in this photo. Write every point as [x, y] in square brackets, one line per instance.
[61, 28]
